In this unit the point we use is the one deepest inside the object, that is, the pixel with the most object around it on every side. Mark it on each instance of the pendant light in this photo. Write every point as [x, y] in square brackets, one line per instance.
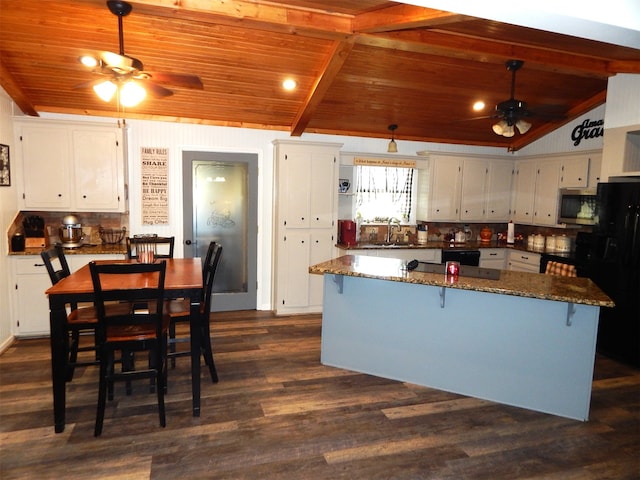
[393, 147]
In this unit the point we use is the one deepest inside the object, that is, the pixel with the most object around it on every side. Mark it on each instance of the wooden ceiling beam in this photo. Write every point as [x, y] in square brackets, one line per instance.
[488, 51]
[403, 17]
[330, 69]
[265, 16]
[16, 93]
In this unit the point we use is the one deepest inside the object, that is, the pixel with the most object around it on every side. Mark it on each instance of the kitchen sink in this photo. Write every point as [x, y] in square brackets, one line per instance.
[385, 245]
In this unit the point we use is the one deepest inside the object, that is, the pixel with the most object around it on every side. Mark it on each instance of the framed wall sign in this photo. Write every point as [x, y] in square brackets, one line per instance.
[5, 166]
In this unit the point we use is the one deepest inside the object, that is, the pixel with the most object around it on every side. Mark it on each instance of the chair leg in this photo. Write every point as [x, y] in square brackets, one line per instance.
[106, 365]
[172, 344]
[207, 351]
[161, 378]
[74, 344]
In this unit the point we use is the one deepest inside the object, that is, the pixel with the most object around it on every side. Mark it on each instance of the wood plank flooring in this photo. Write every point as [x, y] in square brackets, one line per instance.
[278, 413]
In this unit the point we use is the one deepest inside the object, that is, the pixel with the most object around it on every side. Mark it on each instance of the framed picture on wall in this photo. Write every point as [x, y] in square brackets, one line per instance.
[5, 166]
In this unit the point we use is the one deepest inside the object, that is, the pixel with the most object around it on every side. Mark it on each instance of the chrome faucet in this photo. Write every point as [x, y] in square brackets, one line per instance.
[390, 227]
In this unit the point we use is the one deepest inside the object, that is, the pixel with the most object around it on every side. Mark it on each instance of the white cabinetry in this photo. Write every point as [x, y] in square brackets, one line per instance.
[444, 191]
[468, 189]
[525, 184]
[493, 258]
[536, 191]
[306, 209]
[574, 172]
[523, 261]
[545, 205]
[498, 193]
[31, 281]
[474, 188]
[67, 166]
[32, 312]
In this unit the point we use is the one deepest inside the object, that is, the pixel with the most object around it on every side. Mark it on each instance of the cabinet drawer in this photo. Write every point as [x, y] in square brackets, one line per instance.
[532, 259]
[493, 254]
[31, 265]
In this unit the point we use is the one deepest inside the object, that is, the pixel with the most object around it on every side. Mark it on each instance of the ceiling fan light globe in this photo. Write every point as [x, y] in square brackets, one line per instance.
[508, 131]
[131, 94]
[523, 126]
[105, 90]
[393, 147]
[499, 127]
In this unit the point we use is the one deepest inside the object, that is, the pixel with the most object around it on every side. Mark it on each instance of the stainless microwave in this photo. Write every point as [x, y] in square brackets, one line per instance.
[577, 206]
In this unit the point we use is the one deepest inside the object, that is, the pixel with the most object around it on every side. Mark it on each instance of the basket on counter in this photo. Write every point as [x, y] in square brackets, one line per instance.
[111, 236]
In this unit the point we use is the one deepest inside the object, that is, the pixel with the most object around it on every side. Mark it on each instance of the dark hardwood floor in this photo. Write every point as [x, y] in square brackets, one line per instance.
[277, 413]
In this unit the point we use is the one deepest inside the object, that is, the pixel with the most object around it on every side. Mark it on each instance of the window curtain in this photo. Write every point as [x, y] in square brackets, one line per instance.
[384, 192]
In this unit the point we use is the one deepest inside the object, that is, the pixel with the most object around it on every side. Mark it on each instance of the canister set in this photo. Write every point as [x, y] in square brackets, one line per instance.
[550, 243]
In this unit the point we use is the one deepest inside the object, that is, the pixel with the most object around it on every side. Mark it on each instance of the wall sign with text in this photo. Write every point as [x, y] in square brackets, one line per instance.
[155, 185]
[587, 129]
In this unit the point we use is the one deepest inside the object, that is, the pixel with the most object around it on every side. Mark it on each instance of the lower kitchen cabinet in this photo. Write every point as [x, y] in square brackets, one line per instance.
[493, 258]
[31, 305]
[297, 291]
[523, 261]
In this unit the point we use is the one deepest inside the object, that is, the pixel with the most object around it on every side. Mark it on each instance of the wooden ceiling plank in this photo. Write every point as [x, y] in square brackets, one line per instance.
[330, 69]
[488, 51]
[402, 17]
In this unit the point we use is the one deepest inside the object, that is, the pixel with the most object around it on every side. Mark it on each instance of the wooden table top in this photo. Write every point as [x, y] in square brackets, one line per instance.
[182, 273]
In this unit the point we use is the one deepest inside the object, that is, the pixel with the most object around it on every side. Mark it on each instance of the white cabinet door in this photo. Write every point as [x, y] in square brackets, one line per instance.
[99, 179]
[294, 276]
[46, 173]
[574, 172]
[32, 280]
[498, 194]
[473, 190]
[444, 197]
[595, 165]
[546, 193]
[321, 250]
[525, 181]
[307, 183]
[323, 180]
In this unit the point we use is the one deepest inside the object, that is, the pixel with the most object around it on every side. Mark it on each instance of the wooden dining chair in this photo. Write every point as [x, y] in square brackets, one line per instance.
[143, 327]
[80, 320]
[162, 246]
[179, 312]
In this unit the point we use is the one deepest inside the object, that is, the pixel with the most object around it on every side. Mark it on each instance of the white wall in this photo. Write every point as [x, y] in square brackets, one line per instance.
[623, 101]
[8, 208]
[562, 141]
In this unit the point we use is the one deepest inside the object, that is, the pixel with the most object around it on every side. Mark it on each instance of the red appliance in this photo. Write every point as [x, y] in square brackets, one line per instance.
[347, 232]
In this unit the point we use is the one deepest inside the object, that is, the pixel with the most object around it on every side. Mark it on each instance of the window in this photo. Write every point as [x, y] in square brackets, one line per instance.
[385, 192]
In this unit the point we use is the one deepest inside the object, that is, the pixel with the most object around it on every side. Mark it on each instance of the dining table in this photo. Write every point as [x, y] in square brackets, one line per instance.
[183, 279]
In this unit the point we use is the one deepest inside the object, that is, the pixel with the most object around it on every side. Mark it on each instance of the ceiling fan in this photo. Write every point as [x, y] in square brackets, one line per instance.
[513, 111]
[126, 75]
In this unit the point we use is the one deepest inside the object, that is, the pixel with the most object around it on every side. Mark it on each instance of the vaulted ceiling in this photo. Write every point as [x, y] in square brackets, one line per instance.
[360, 66]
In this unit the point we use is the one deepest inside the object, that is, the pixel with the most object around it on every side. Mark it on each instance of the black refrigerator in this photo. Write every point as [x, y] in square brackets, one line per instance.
[614, 265]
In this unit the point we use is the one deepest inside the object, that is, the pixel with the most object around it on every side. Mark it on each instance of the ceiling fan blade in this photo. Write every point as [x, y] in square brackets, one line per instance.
[154, 89]
[120, 63]
[177, 79]
[88, 84]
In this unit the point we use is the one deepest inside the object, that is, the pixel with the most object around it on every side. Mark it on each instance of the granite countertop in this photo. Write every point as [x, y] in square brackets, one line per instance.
[99, 249]
[523, 284]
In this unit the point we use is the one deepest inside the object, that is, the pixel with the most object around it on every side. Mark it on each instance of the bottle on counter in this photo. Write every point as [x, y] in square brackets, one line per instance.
[511, 232]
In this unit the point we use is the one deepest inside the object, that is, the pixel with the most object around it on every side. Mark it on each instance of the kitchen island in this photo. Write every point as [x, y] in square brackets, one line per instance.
[524, 339]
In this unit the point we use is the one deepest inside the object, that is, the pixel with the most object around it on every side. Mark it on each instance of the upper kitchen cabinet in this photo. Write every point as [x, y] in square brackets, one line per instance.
[499, 181]
[306, 185]
[536, 191]
[467, 188]
[68, 166]
[580, 170]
